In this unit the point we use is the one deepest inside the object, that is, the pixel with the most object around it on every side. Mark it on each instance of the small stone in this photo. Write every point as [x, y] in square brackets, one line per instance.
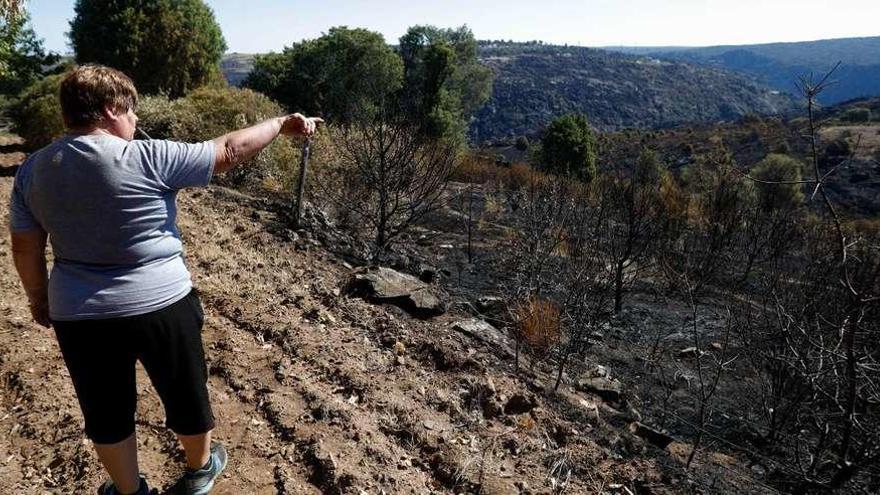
[688, 353]
[759, 470]
[599, 371]
[399, 348]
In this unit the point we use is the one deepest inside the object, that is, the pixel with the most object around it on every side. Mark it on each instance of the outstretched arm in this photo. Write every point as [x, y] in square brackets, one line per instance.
[237, 146]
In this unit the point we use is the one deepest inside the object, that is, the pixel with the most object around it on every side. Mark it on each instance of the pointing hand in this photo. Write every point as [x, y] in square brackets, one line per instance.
[299, 125]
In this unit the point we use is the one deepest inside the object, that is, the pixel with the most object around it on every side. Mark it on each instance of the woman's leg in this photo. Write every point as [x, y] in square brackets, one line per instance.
[197, 449]
[173, 355]
[102, 367]
[120, 460]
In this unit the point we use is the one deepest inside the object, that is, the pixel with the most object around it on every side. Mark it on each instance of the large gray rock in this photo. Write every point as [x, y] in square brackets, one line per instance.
[656, 437]
[386, 286]
[486, 333]
[494, 310]
[607, 388]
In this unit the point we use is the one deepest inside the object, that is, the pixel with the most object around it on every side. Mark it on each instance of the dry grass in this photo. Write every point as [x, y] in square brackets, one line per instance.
[539, 325]
[475, 169]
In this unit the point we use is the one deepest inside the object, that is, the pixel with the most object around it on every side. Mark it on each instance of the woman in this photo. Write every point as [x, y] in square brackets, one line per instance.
[119, 290]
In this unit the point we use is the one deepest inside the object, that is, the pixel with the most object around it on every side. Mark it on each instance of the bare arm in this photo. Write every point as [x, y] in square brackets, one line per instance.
[29, 256]
[237, 146]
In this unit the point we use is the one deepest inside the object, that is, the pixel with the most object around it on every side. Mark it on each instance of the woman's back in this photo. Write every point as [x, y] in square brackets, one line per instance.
[109, 207]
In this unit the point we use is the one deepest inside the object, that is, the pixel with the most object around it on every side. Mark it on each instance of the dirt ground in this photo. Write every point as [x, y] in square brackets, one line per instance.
[313, 392]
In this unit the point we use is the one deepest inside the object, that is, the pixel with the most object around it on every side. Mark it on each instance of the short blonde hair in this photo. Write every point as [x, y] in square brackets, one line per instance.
[87, 89]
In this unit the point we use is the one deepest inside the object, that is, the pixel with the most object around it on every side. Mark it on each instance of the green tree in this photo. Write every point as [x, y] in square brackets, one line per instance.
[22, 56]
[857, 115]
[785, 171]
[10, 8]
[568, 147]
[37, 113]
[341, 75]
[445, 84]
[166, 46]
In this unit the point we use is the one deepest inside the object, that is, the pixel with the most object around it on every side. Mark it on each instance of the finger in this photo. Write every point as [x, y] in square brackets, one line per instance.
[317, 120]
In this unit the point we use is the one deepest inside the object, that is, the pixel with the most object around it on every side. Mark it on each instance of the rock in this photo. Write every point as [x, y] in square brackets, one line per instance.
[399, 348]
[387, 340]
[598, 371]
[520, 404]
[717, 346]
[607, 388]
[486, 333]
[759, 470]
[386, 286]
[494, 310]
[656, 437]
[591, 407]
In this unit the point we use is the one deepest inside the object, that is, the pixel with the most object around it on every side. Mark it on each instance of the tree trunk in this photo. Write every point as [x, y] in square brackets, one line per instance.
[562, 364]
[699, 437]
[618, 287]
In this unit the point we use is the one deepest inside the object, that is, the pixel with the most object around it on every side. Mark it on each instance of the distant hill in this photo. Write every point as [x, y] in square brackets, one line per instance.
[535, 83]
[779, 64]
[236, 67]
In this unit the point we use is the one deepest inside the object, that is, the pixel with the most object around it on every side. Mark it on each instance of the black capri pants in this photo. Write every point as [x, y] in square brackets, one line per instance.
[101, 355]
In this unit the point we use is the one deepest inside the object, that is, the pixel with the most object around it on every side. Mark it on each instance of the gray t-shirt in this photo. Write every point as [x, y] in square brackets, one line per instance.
[109, 208]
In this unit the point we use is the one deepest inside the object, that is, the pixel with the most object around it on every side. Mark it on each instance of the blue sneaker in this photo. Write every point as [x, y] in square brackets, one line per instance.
[201, 481]
[108, 488]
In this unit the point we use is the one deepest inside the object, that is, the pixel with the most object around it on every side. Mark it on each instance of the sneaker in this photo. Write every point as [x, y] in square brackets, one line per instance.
[108, 488]
[201, 481]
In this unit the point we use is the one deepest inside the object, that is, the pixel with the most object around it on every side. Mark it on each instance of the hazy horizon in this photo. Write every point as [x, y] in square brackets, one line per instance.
[270, 25]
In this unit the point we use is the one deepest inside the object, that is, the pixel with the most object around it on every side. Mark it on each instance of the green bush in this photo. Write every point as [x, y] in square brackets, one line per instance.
[859, 115]
[210, 112]
[568, 148]
[779, 168]
[36, 115]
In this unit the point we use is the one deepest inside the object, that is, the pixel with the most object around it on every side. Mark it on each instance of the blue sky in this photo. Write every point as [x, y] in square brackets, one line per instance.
[266, 25]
